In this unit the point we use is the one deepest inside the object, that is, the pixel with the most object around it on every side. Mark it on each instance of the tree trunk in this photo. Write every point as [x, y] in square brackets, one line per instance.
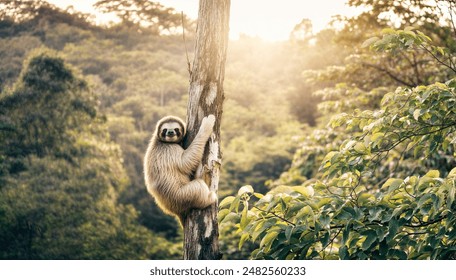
[206, 97]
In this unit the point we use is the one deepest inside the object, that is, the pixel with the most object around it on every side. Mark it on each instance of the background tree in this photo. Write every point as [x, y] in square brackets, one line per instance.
[60, 175]
[143, 13]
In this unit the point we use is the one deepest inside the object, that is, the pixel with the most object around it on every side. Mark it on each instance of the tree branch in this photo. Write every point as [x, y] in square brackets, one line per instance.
[275, 215]
[390, 74]
[449, 66]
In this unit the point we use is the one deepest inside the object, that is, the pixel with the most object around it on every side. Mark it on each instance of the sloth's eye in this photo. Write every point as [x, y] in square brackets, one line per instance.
[177, 130]
[165, 130]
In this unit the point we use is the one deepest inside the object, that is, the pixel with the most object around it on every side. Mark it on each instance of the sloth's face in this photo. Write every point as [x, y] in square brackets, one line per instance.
[171, 132]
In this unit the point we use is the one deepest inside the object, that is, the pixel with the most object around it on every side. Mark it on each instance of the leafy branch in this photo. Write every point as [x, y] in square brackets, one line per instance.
[275, 215]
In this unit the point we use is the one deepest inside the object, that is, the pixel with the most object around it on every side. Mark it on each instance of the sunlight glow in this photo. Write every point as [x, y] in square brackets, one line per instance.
[271, 20]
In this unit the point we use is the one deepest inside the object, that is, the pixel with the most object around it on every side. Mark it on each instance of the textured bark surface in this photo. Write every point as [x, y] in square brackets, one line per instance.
[206, 97]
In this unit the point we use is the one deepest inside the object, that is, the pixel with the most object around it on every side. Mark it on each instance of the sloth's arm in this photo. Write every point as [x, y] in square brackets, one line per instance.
[193, 155]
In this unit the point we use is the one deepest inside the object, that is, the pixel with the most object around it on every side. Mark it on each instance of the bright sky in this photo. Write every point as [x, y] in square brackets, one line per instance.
[269, 19]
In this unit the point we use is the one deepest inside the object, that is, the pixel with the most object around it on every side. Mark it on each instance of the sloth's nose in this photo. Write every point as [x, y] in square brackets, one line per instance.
[170, 133]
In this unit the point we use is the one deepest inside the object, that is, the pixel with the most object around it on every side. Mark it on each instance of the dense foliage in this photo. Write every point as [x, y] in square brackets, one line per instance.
[348, 213]
[60, 173]
[377, 180]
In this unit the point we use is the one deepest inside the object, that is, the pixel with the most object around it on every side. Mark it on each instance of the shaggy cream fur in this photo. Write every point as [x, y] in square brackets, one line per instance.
[168, 167]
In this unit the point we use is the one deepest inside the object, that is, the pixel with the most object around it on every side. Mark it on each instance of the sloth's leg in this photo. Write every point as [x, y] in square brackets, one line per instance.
[198, 194]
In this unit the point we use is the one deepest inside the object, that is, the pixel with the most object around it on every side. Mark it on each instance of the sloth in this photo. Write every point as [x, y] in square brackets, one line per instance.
[168, 167]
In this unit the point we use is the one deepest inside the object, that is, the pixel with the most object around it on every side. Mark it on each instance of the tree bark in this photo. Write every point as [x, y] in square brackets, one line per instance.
[206, 97]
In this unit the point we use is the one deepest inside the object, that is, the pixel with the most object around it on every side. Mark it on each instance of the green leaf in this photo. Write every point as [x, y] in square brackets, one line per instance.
[371, 236]
[422, 35]
[226, 201]
[265, 200]
[244, 237]
[294, 208]
[325, 239]
[353, 241]
[245, 190]
[433, 174]
[383, 249]
[262, 226]
[325, 221]
[392, 183]
[323, 202]
[304, 212]
[258, 195]
[288, 232]
[258, 229]
[244, 218]
[398, 254]
[393, 227]
[283, 205]
[331, 156]
[416, 114]
[418, 151]
[222, 214]
[388, 31]
[440, 50]
[452, 173]
[231, 217]
[381, 233]
[345, 234]
[365, 197]
[235, 204]
[360, 148]
[305, 191]
[268, 238]
[451, 196]
[375, 213]
[377, 136]
[346, 213]
[348, 145]
[343, 253]
[424, 200]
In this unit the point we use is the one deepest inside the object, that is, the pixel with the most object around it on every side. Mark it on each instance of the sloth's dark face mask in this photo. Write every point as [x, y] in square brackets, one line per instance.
[171, 132]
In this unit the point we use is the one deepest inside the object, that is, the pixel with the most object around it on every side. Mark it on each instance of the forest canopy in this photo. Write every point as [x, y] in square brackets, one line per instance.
[337, 144]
